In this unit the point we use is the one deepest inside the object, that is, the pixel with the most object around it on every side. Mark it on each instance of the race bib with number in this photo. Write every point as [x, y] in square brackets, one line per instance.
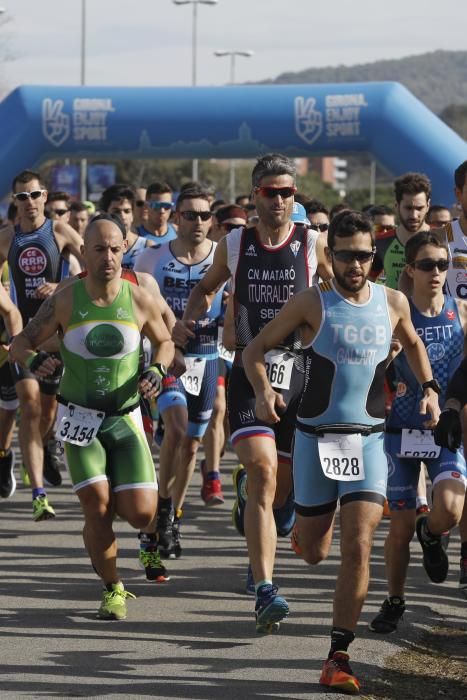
[341, 456]
[418, 443]
[193, 377]
[79, 425]
[279, 366]
[227, 355]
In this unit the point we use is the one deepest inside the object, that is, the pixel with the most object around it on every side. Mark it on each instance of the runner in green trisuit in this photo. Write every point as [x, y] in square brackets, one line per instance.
[100, 318]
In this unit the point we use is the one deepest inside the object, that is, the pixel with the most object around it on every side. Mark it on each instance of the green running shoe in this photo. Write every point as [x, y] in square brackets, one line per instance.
[113, 606]
[25, 476]
[41, 510]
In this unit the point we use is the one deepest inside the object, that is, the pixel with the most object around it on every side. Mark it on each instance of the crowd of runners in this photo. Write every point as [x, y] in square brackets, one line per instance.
[325, 347]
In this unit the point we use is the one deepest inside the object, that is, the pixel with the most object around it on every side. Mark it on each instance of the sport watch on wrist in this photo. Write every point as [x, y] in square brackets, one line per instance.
[162, 369]
[432, 384]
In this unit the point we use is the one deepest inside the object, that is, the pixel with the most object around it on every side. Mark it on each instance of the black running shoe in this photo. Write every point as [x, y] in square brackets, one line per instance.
[164, 533]
[387, 619]
[7, 478]
[150, 560]
[52, 476]
[463, 576]
[176, 536]
[435, 560]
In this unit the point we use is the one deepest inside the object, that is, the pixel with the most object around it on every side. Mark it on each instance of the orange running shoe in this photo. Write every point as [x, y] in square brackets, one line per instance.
[294, 542]
[337, 674]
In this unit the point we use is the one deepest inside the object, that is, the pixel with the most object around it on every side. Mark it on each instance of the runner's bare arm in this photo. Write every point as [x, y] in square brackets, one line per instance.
[69, 240]
[47, 321]
[154, 327]
[324, 265]
[10, 314]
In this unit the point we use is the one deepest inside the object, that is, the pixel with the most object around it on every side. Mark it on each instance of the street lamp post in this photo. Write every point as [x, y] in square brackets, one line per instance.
[194, 44]
[233, 54]
[83, 174]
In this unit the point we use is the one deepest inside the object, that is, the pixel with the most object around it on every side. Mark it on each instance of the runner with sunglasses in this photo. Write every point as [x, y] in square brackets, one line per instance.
[318, 215]
[346, 326]
[185, 404]
[38, 252]
[441, 323]
[159, 207]
[267, 264]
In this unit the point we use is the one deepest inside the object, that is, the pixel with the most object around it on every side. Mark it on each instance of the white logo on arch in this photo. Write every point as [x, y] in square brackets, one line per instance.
[308, 120]
[55, 123]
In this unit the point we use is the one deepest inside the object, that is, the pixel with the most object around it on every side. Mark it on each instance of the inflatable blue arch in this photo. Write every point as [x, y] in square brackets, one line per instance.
[39, 123]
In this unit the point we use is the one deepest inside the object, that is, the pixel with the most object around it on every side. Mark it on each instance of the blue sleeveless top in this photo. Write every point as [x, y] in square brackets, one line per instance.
[443, 337]
[168, 236]
[345, 363]
[33, 259]
[129, 259]
[176, 280]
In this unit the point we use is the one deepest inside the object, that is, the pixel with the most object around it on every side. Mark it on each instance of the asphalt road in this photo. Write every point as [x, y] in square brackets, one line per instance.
[194, 636]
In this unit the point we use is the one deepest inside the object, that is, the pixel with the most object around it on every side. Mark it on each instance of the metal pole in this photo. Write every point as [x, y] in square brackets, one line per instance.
[232, 166]
[372, 181]
[194, 165]
[83, 176]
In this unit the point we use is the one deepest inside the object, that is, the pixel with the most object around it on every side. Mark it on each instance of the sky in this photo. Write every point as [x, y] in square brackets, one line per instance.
[149, 42]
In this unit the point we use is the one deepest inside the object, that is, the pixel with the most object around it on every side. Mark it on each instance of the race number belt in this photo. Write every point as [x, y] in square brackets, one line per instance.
[193, 377]
[279, 366]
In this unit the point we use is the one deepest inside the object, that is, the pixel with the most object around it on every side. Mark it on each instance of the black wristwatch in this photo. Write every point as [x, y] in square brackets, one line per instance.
[432, 384]
[162, 369]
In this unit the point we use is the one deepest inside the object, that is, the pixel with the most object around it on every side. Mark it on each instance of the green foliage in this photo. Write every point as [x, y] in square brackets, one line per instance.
[437, 78]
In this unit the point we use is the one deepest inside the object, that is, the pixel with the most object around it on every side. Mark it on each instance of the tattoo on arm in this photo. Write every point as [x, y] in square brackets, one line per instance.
[34, 329]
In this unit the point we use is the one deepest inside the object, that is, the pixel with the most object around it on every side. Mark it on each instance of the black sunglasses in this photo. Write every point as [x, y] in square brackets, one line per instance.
[348, 256]
[319, 227]
[428, 265]
[56, 212]
[140, 203]
[192, 215]
[271, 192]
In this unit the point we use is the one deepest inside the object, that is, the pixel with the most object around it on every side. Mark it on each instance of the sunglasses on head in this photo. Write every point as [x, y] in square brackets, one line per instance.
[271, 192]
[192, 215]
[23, 196]
[140, 203]
[56, 212]
[319, 227]
[230, 227]
[159, 205]
[348, 256]
[428, 265]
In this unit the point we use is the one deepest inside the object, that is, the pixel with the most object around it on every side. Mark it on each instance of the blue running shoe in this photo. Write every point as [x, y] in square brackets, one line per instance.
[238, 510]
[270, 609]
[250, 582]
[285, 516]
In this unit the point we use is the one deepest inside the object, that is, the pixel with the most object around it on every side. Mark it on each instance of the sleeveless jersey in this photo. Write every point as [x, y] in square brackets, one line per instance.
[168, 236]
[456, 279]
[443, 337]
[345, 362]
[33, 259]
[389, 258]
[129, 258]
[266, 277]
[176, 280]
[100, 351]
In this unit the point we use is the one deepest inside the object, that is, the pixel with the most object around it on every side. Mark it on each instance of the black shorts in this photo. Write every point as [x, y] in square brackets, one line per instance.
[8, 398]
[243, 421]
